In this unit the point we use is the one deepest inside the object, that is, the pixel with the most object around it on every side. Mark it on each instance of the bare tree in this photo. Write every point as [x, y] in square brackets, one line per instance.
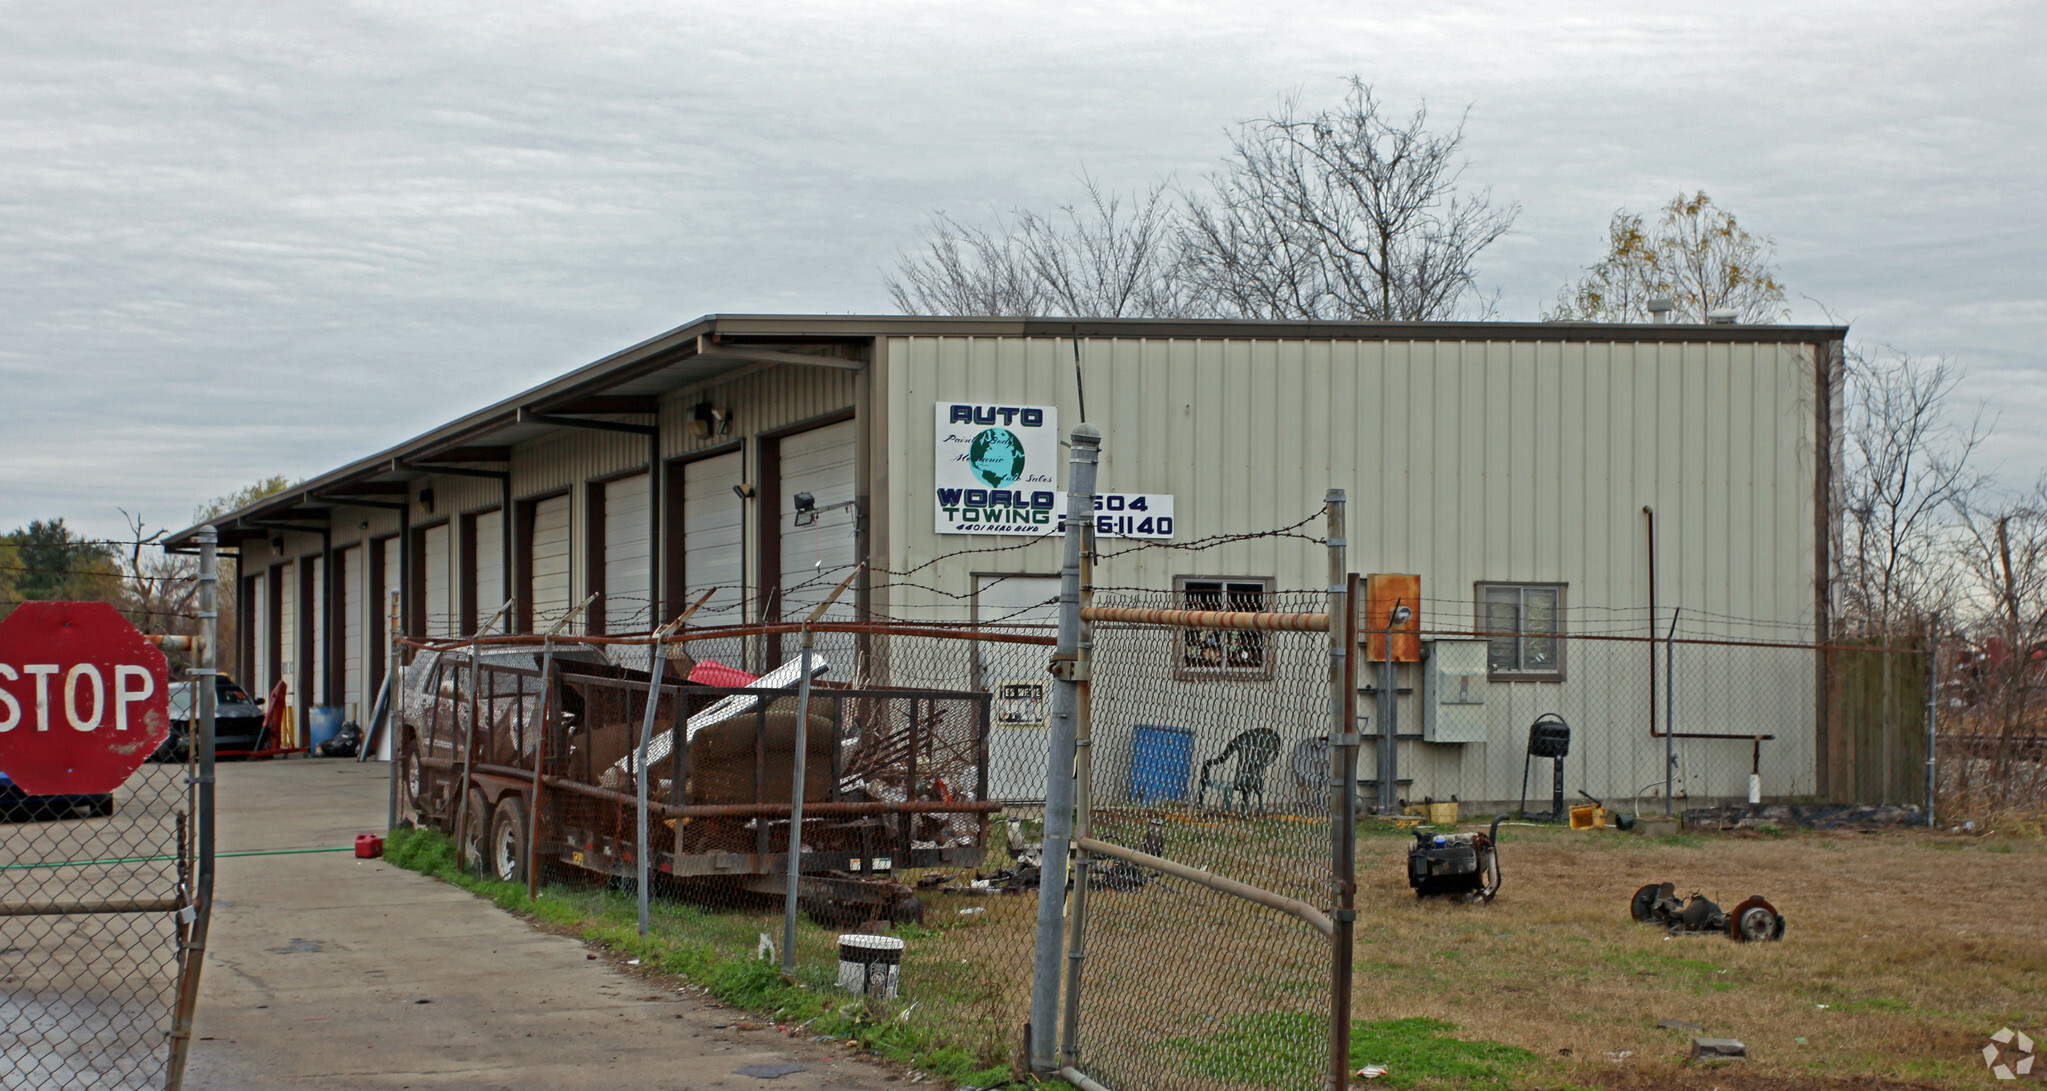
[2000, 678]
[1908, 464]
[1697, 256]
[1099, 258]
[1344, 213]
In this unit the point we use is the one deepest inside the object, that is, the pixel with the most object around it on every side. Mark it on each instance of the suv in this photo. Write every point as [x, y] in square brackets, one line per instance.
[237, 720]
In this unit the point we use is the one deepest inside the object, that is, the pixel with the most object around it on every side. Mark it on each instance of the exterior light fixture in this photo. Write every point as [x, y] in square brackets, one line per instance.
[426, 500]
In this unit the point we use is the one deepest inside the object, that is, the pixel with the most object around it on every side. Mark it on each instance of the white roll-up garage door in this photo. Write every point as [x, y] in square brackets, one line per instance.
[440, 602]
[288, 630]
[1016, 675]
[628, 511]
[549, 588]
[394, 577]
[316, 656]
[714, 539]
[488, 582]
[256, 673]
[817, 556]
[350, 592]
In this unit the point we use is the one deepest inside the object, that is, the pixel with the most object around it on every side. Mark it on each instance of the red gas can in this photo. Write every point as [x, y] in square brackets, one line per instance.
[368, 846]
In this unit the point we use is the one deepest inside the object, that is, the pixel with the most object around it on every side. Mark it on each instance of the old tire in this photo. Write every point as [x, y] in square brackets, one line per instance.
[471, 840]
[1642, 907]
[412, 776]
[505, 850]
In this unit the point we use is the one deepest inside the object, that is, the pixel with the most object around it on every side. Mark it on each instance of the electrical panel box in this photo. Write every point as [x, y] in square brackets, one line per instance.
[1454, 691]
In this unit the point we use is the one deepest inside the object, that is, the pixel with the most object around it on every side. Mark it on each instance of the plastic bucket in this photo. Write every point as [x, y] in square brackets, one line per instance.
[323, 722]
[870, 965]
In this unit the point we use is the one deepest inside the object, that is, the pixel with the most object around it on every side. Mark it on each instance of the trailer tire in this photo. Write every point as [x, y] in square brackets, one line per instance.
[505, 852]
[471, 843]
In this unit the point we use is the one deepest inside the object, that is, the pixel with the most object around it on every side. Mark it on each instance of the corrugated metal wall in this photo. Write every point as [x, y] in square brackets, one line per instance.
[1463, 462]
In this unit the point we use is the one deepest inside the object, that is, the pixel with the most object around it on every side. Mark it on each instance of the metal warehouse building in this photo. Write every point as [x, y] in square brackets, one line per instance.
[1533, 475]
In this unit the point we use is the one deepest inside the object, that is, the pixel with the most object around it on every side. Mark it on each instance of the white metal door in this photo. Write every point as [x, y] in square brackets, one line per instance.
[489, 586]
[288, 631]
[440, 603]
[549, 588]
[819, 553]
[628, 513]
[354, 590]
[316, 690]
[393, 572]
[256, 672]
[714, 539]
[1015, 674]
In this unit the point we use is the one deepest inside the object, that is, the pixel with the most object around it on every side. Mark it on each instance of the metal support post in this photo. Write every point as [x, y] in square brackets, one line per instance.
[192, 955]
[1083, 807]
[657, 663]
[1389, 720]
[1080, 509]
[1932, 684]
[1343, 786]
[801, 768]
[392, 720]
[1669, 715]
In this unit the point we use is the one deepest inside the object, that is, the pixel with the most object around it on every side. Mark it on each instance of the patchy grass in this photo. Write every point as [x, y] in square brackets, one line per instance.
[1415, 1052]
[1904, 951]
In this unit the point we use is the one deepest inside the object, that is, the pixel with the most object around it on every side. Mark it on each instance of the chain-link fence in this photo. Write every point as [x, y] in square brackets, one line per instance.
[1210, 748]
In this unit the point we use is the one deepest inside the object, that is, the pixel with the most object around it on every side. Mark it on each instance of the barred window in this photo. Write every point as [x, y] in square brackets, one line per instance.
[1228, 653]
[1524, 623]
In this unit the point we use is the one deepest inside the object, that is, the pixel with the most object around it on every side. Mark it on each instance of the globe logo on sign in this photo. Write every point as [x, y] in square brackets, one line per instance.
[997, 457]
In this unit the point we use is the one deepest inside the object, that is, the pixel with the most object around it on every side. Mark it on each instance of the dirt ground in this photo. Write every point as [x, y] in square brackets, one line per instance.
[1904, 952]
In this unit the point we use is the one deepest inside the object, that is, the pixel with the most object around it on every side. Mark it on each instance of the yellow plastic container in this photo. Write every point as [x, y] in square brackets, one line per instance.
[1587, 816]
[1442, 814]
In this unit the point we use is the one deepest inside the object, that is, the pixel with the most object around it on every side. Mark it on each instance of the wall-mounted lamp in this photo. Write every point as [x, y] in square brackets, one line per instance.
[706, 420]
[364, 525]
[807, 509]
[426, 500]
[277, 543]
[743, 490]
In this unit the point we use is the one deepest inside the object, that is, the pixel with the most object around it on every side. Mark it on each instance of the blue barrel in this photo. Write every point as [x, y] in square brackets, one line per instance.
[1160, 760]
[323, 722]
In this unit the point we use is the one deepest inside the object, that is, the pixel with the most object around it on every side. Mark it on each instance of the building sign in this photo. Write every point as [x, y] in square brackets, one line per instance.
[996, 474]
[1128, 515]
[997, 469]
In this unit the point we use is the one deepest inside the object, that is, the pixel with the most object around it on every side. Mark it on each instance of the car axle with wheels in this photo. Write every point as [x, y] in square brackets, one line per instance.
[1754, 919]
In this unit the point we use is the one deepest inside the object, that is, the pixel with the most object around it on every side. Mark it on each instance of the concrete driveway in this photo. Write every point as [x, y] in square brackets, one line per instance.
[325, 971]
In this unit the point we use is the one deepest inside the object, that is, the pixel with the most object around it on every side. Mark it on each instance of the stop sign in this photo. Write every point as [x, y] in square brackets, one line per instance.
[84, 698]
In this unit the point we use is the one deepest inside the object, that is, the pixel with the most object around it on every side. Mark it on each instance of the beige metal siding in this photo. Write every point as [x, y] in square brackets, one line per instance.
[1463, 461]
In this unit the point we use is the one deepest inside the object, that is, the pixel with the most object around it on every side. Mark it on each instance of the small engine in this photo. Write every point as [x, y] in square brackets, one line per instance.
[1465, 866]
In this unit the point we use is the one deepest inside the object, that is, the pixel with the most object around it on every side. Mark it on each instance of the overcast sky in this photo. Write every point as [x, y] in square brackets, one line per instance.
[243, 239]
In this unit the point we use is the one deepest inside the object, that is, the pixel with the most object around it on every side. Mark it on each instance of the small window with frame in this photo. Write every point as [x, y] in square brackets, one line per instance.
[1524, 627]
[1223, 653]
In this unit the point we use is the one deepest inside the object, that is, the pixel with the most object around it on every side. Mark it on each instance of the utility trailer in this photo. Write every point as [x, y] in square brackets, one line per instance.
[896, 778]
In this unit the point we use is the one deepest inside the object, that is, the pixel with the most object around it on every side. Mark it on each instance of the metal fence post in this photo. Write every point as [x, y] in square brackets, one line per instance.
[1343, 786]
[1932, 737]
[394, 693]
[192, 957]
[1043, 1028]
[657, 664]
[1084, 807]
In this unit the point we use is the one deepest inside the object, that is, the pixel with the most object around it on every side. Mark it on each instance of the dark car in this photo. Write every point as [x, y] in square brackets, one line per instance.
[17, 804]
[237, 720]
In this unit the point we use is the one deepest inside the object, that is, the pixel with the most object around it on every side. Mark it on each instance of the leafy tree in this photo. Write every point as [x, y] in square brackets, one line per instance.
[47, 560]
[240, 498]
[1697, 256]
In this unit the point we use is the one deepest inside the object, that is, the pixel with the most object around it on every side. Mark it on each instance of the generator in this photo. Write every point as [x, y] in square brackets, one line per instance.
[1464, 866]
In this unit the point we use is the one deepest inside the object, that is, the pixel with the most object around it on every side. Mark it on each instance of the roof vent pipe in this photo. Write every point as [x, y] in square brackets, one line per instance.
[1659, 310]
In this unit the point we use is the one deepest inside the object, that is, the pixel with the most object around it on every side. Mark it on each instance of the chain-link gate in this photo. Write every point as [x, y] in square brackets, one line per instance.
[103, 904]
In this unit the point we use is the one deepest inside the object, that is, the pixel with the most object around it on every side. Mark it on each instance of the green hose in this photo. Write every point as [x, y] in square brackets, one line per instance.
[163, 859]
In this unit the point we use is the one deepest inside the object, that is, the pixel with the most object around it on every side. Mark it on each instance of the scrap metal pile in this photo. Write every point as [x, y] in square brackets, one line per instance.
[1753, 919]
